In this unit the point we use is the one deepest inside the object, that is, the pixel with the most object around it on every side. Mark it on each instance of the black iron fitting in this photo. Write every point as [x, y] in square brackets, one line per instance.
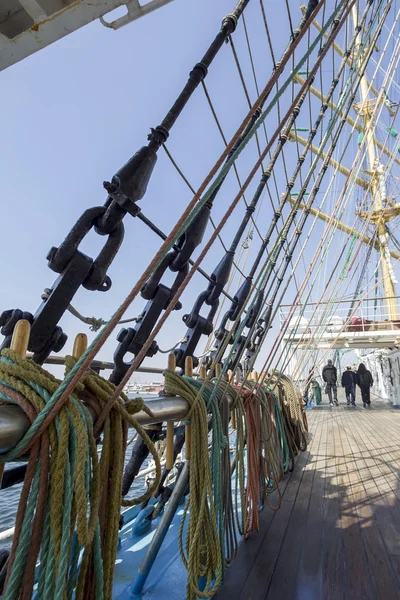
[199, 326]
[45, 337]
[263, 324]
[240, 298]
[255, 309]
[312, 4]
[150, 288]
[128, 186]
[247, 341]
[132, 340]
[233, 360]
[220, 278]
[8, 320]
[191, 238]
[59, 258]
[237, 305]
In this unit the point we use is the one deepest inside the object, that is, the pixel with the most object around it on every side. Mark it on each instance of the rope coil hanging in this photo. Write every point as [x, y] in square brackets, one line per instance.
[70, 500]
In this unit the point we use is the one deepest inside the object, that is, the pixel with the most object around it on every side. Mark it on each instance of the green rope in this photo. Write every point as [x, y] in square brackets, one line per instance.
[202, 558]
[72, 486]
[219, 442]
[344, 272]
[283, 443]
[58, 517]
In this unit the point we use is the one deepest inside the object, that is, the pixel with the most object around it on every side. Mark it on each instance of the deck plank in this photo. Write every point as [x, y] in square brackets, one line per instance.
[309, 575]
[337, 533]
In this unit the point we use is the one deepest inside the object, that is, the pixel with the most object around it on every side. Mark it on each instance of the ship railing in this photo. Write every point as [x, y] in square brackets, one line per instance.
[14, 424]
[334, 317]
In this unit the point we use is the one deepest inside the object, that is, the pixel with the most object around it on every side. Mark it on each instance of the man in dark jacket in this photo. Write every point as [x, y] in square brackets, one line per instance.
[365, 381]
[329, 375]
[349, 380]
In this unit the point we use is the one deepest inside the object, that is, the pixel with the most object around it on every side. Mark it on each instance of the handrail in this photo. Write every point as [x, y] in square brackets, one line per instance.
[14, 423]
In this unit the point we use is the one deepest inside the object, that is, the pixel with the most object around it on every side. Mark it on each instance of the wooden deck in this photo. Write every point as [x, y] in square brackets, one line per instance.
[337, 533]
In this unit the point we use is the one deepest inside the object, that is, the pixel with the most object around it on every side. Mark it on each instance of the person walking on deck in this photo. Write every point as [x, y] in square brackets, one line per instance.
[349, 380]
[329, 375]
[365, 382]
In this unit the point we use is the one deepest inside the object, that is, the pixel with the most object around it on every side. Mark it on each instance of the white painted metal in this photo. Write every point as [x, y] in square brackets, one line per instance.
[349, 339]
[27, 26]
[368, 326]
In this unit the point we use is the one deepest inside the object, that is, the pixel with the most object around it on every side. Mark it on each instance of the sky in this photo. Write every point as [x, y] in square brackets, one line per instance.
[74, 112]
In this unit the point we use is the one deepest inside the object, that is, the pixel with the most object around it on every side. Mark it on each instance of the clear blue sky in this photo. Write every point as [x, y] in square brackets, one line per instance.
[74, 112]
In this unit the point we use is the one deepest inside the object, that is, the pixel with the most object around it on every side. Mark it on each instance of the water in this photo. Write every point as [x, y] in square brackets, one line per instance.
[9, 498]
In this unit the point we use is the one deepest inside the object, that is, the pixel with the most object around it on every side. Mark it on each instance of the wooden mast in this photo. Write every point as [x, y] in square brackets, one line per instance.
[378, 214]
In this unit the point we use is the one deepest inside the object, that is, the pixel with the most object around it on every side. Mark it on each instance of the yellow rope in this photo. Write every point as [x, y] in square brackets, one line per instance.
[83, 493]
[115, 432]
[201, 556]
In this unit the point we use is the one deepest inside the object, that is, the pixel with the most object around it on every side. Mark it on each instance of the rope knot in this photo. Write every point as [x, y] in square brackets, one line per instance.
[135, 405]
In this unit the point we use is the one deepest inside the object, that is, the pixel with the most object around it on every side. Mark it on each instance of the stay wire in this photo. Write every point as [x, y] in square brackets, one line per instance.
[264, 125]
[188, 214]
[266, 264]
[260, 346]
[366, 223]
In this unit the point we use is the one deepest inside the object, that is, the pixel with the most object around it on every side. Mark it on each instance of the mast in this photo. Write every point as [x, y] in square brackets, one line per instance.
[378, 214]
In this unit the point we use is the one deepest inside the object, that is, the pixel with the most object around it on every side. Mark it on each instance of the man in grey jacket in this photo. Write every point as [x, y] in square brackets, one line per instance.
[329, 375]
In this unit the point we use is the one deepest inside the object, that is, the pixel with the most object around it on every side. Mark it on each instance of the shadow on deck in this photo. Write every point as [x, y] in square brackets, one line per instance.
[337, 533]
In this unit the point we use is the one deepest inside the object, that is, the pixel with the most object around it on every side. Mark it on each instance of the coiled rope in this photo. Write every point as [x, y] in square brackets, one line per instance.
[215, 397]
[202, 554]
[70, 502]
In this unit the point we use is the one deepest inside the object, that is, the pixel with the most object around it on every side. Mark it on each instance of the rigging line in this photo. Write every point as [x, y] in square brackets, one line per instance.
[289, 220]
[226, 142]
[323, 16]
[290, 18]
[264, 125]
[255, 76]
[283, 330]
[278, 108]
[364, 267]
[253, 71]
[296, 370]
[284, 133]
[328, 309]
[188, 277]
[366, 225]
[323, 201]
[324, 256]
[301, 24]
[184, 178]
[285, 85]
[320, 58]
[95, 322]
[393, 238]
[220, 128]
[220, 353]
[355, 309]
[188, 214]
[267, 32]
[316, 252]
[239, 68]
